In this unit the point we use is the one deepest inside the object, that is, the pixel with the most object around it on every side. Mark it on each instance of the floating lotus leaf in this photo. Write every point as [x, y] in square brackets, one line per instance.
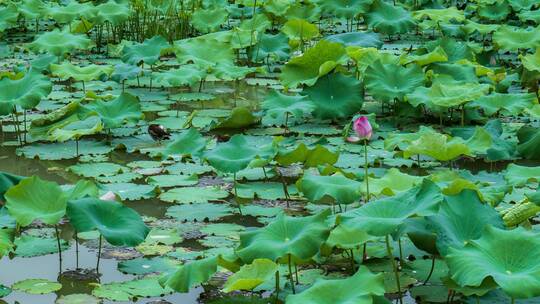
[76, 129]
[199, 212]
[228, 71]
[319, 155]
[124, 108]
[77, 298]
[140, 266]
[496, 11]
[125, 72]
[444, 15]
[357, 39]
[507, 256]
[234, 155]
[348, 9]
[462, 218]
[511, 38]
[438, 146]
[185, 75]
[531, 62]
[313, 64]
[147, 52]
[65, 150]
[436, 55]
[299, 237]
[279, 106]
[518, 176]
[119, 225]
[388, 19]
[269, 46]
[508, 104]
[190, 274]
[252, 275]
[361, 288]
[209, 20]
[32, 246]
[329, 189]
[189, 142]
[26, 92]
[67, 70]
[336, 96]
[131, 290]
[188, 195]
[387, 215]
[449, 94]
[389, 81]
[35, 199]
[195, 50]
[6, 242]
[36, 286]
[529, 138]
[59, 43]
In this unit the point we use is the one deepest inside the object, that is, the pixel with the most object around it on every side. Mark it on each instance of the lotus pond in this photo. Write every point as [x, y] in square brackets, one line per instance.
[270, 151]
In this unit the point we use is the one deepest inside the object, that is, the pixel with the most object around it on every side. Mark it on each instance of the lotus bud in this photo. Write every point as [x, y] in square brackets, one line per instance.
[109, 196]
[363, 128]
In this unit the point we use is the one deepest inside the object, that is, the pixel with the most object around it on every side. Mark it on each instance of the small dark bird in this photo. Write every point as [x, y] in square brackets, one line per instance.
[158, 132]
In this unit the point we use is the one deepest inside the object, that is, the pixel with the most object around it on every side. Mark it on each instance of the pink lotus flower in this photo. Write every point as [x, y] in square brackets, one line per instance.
[362, 128]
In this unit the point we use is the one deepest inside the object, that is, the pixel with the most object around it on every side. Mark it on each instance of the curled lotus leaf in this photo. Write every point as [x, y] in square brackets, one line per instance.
[8, 17]
[68, 70]
[511, 38]
[209, 20]
[111, 11]
[114, 113]
[26, 92]
[147, 52]
[60, 43]
[388, 19]
[348, 9]
[330, 189]
[185, 75]
[390, 81]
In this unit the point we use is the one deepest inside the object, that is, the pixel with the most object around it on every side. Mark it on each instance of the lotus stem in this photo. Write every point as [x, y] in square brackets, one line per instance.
[76, 147]
[512, 301]
[236, 194]
[99, 253]
[277, 286]
[59, 246]
[296, 274]
[400, 251]
[462, 115]
[364, 253]
[24, 125]
[394, 267]
[366, 170]
[431, 270]
[76, 250]
[353, 268]
[290, 274]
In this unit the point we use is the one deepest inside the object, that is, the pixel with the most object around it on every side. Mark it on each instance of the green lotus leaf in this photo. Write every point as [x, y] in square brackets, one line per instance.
[495, 12]
[279, 106]
[385, 216]
[32, 9]
[533, 16]
[438, 146]
[32, 246]
[26, 92]
[258, 23]
[130, 191]
[36, 286]
[195, 50]
[518, 176]
[520, 5]
[67, 70]
[359, 289]
[313, 64]
[112, 12]
[6, 242]
[387, 82]
[140, 266]
[329, 189]
[347, 9]
[173, 180]
[57, 151]
[131, 290]
[449, 94]
[228, 71]
[531, 62]
[234, 155]
[511, 38]
[190, 274]
[199, 212]
[507, 256]
[8, 180]
[119, 225]
[507, 104]
[269, 46]
[462, 218]
[60, 43]
[484, 29]
[69, 12]
[443, 15]
[388, 19]
[357, 39]
[277, 7]
[263, 190]
[392, 182]
[209, 20]
[252, 275]
[297, 237]
[319, 155]
[189, 195]
[529, 138]
[8, 17]
[335, 96]
[35, 199]
[125, 72]
[147, 52]
[123, 109]
[189, 142]
[436, 55]
[185, 75]
[76, 129]
[300, 30]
